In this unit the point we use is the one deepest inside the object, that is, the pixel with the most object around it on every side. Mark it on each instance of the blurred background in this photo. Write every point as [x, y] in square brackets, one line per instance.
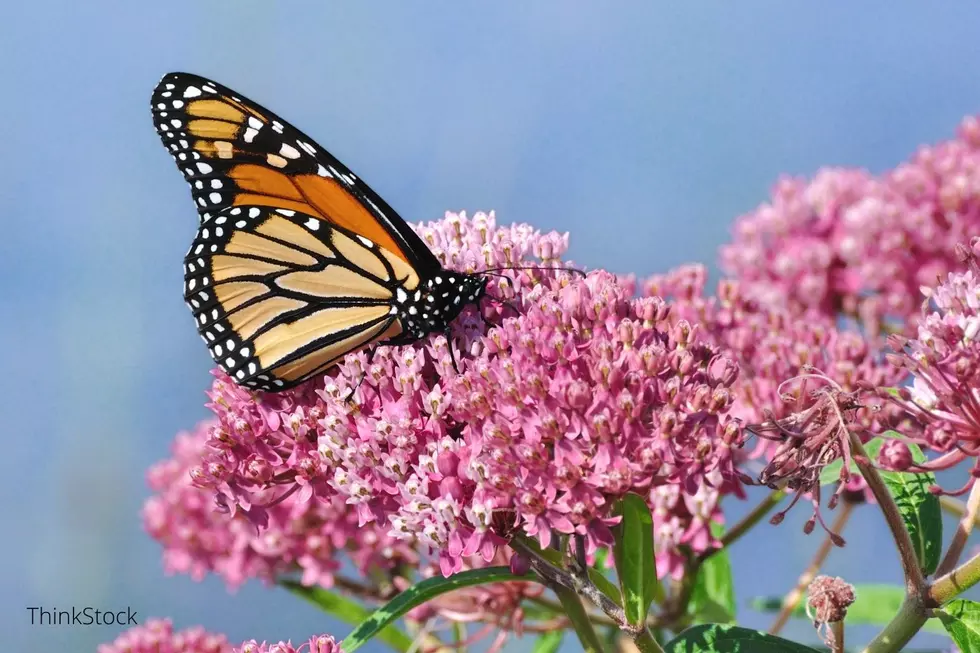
[642, 130]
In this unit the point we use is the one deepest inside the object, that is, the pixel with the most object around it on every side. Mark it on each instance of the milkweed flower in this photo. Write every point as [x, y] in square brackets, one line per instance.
[316, 644]
[582, 394]
[311, 538]
[944, 360]
[158, 636]
[802, 381]
[849, 242]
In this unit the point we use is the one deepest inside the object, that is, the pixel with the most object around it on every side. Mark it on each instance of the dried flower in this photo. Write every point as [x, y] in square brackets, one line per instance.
[827, 602]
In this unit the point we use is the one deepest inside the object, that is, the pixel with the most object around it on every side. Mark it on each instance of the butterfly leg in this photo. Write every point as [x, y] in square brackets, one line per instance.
[350, 393]
[449, 342]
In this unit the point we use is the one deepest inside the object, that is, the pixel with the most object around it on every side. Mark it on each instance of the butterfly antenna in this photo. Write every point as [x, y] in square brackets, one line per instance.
[534, 267]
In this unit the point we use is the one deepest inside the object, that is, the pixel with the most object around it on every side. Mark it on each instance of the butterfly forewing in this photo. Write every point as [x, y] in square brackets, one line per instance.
[234, 152]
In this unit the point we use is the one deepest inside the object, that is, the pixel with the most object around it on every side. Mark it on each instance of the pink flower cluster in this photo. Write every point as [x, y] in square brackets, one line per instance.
[795, 370]
[299, 535]
[854, 243]
[584, 394]
[158, 636]
[944, 360]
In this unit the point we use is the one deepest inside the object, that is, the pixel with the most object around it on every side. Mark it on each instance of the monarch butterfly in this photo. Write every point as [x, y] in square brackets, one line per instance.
[297, 262]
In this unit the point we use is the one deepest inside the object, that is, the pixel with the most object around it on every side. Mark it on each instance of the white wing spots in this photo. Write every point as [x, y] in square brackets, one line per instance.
[210, 89]
[278, 383]
[276, 161]
[393, 311]
[205, 234]
[230, 344]
[438, 280]
[250, 134]
[214, 248]
[312, 224]
[219, 328]
[177, 104]
[206, 216]
[214, 314]
[204, 168]
[201, 202]
[205, 281]
[418, 295]
[182, 156]
[230, 362]
[348, 178]
[289, 151]
[255, 123]
[221, 220]
[219, 232]
[252, 369]
[184, 144]
[161, 106]
[412, 310]
[218, 350]
[286, 212]
[199, 249]
[170, 87]
[199, 185]
[240, 374]
[210, 335]
[254, 212]
[235, 211]
[245, 352]
[367, 243]
[401, 294]
[203, 295]
[277, 126]
[166, 94]
[307, 147]
[240, 224]
[192, 91]
[215, 198]
[176, 123]
[320, 170]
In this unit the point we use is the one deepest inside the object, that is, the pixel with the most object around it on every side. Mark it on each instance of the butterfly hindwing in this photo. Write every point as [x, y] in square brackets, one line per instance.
[280, 295]
[234, 152]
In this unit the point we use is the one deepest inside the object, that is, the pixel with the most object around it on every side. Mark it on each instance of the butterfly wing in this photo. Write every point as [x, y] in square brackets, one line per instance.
[233, 153]
[281, 295]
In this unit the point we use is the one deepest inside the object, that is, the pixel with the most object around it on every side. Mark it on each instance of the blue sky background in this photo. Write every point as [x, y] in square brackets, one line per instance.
[641, 128]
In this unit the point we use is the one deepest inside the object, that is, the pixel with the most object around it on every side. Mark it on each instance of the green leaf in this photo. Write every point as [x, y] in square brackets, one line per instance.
[962, 621]
[713, 597]
[919, 508]
[635, 560]
[874, 604]
[717, 638]
[548, 642]
[347, 611]
[421, 592]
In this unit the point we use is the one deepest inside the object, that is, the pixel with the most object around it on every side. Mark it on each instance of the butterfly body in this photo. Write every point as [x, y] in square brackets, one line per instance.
[296, 262]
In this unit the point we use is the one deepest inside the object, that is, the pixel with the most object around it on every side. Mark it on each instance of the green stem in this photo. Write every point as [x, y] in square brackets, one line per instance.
[910, 618]
[956, 582]
[579, 618]
[747, 522]
[646, 643]
[915, 582]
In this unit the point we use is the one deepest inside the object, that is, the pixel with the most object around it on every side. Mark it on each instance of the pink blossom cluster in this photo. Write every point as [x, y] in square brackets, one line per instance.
[773, 345]
[300, 535]
[944, 360]
[158, 636]
[581, 394]
[799, 377]
[849, 242]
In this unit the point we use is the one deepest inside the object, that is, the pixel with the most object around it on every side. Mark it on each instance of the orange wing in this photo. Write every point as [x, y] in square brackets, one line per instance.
[234, 152]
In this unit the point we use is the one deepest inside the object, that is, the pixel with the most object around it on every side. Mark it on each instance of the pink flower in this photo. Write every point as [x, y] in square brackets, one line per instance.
[158, 636]
[584, 394]
[945, 362]
[309, 537]
[853, 243]
[316, 644]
